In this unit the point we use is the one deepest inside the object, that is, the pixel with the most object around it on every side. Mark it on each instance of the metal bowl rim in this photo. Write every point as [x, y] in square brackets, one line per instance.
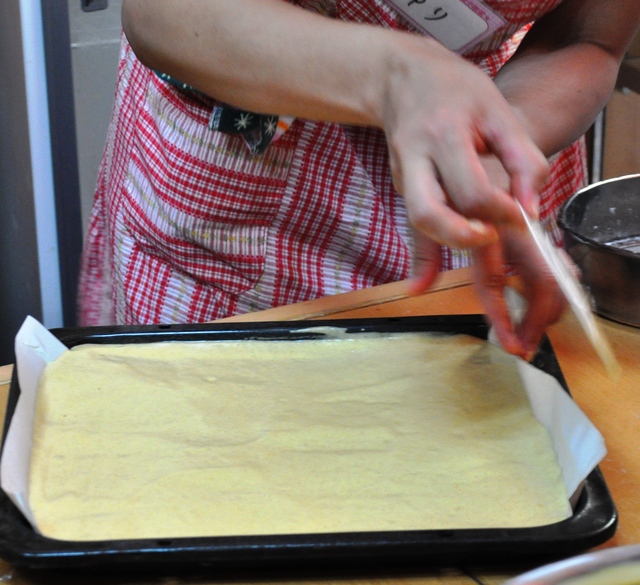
[562, 224]
[579, 566]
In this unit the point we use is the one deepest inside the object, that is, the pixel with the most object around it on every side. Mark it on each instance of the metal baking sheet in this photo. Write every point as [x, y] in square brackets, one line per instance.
[594, 519]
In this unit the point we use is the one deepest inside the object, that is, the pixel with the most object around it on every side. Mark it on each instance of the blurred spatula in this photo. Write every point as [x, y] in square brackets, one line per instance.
[574, 293]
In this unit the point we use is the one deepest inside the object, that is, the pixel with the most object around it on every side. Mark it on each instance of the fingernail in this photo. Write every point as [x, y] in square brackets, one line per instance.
[482, 229]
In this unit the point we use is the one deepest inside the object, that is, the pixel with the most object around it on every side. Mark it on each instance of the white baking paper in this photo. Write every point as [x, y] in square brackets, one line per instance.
[35, 347]
[578, 444]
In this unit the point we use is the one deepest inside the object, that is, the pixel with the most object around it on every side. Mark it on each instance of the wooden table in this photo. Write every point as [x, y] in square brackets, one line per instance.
[613, 406]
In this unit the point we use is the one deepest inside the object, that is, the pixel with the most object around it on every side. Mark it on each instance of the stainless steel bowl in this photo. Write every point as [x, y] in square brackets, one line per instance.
[613, 566]
[601, 226]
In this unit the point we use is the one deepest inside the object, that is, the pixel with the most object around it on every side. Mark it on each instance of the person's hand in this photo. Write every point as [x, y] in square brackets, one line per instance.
[442, 115]
[515, 254]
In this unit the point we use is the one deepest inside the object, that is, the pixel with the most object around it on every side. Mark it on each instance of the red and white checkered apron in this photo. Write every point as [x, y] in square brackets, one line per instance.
[187, 226]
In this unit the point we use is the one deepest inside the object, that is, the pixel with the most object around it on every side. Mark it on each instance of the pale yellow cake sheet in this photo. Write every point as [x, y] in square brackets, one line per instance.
[362, 433]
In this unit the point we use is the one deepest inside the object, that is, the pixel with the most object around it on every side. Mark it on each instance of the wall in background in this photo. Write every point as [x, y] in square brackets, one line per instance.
[622, 120]
[95, 48]
[622, 135]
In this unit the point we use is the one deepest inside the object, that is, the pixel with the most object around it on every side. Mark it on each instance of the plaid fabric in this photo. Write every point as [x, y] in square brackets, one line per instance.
[257, 130]
[188, 226]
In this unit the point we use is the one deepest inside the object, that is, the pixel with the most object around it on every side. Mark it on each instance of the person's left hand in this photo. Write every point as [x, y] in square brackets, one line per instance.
[514, 254]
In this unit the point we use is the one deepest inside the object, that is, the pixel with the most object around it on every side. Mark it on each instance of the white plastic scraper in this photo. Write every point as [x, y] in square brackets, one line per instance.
[575, 294]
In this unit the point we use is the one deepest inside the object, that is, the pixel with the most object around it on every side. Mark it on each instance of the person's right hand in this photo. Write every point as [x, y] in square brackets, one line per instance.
[441, 115]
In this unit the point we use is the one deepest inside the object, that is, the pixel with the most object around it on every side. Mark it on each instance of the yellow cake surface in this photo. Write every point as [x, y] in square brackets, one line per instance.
[340, 434]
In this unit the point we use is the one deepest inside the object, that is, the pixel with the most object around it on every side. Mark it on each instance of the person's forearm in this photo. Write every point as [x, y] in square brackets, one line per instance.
[558, 95]
[264, 55]
[566, 67]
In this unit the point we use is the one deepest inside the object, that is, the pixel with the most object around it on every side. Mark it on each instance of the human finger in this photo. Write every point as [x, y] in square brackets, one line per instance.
[544, 298]
[467, 184]
[427, 263]
[489, 281]
[523, 161]
[429, 212]
[543, 310]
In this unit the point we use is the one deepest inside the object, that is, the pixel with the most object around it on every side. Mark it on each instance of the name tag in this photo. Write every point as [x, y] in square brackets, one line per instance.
[457, 24]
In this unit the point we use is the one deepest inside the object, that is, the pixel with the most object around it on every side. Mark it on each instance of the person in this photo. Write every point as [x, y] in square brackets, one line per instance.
[265, 152]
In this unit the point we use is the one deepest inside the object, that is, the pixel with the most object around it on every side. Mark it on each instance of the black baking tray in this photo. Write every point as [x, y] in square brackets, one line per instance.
[594, 519]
